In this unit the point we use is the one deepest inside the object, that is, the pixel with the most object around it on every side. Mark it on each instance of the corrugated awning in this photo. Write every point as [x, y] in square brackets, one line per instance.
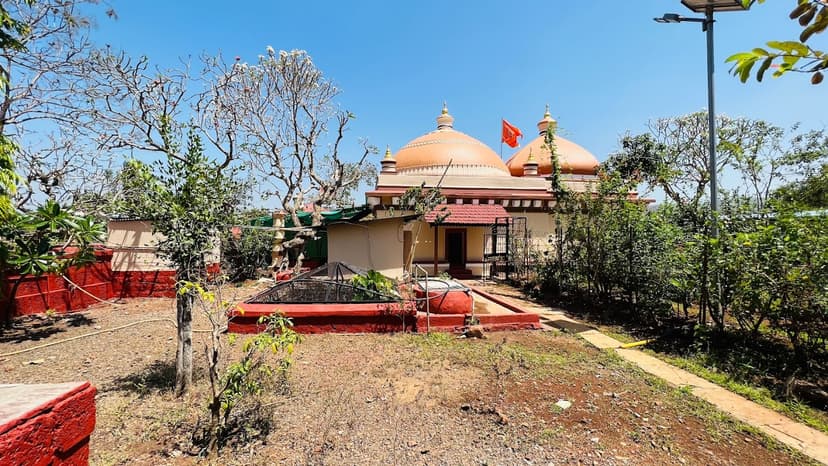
[467, 214]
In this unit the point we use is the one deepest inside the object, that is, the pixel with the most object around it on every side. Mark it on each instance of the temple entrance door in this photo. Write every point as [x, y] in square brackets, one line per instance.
[456, 248]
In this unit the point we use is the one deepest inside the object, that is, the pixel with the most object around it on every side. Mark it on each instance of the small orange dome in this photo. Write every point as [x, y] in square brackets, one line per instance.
[430, 153]
[572, 158]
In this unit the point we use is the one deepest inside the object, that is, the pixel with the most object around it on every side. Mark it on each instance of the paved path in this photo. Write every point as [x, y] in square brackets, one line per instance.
[794, 434]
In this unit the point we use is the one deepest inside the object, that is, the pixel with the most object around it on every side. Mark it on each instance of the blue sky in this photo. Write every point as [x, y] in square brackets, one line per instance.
[604, 67]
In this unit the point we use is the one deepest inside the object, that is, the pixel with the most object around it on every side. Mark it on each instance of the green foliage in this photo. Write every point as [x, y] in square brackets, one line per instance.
[36, 242]
[48, 239]
[424, 200]
[372, 286]
[12, 32]
[765, 269]
[613, 251]
[247, 377]
[243, 257]
[188, 199]
[253, 372]
[810, 193]
[556, 185]
[784, 278]
[8, 177]
[791, 55]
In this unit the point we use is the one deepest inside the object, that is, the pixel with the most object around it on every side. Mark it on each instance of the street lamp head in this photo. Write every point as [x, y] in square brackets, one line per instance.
[669, 18]
[702, 6]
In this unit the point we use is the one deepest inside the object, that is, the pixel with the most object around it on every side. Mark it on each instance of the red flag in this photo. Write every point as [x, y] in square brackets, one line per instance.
[510, 134]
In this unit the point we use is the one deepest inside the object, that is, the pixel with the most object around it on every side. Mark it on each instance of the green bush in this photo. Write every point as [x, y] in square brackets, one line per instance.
[246, 256]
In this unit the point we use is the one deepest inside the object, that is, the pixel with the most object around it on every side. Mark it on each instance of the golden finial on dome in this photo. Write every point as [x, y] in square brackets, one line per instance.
[546, 121]
[389, 165]
[530, 167]
[445, 120]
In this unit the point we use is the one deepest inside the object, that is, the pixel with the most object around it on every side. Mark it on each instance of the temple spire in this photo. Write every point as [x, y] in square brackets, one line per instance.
[445, 120]
[389, 165]
[547, 120]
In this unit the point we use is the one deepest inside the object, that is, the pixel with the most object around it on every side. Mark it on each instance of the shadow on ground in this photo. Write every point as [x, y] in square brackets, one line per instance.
[156, 377]
[39, 327]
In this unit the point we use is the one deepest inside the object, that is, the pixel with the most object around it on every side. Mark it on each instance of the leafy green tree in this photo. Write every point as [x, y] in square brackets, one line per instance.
[189, 199]
[790, 55]
[810, 193]
[246, 255]
[673, 157]
[809, 188]
[784, 275]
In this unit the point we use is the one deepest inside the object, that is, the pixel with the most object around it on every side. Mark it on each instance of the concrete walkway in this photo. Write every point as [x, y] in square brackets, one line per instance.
[809, 441]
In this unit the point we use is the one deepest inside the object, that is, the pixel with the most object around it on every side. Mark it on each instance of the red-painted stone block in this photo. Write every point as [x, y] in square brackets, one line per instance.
[30, 442]
[77, 456]
[46, 424]
[74, 419]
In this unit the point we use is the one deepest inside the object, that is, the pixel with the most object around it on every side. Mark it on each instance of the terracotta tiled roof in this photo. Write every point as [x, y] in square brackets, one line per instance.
[467, 214]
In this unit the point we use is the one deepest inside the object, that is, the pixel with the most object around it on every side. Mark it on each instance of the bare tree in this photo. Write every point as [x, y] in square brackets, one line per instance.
[189, 196]
[274, 116]
[42, 76]
[281, 113]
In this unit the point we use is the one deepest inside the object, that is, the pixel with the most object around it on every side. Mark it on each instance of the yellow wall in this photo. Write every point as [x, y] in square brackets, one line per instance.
[134, 247]
[474, 243]
[376, 245]
[424, 252]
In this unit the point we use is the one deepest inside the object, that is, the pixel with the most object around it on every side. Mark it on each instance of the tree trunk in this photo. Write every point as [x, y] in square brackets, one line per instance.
[9, 307]
[215, 402]
[184, 354]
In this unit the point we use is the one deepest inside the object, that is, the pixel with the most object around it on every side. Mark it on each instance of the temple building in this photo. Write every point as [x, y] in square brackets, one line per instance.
[486, 199]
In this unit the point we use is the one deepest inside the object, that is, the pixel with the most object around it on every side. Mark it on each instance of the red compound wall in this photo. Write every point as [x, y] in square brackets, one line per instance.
[46, 424]
[37, 294]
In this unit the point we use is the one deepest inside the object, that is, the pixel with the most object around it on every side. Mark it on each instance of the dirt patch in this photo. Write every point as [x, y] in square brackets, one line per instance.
[391, 399]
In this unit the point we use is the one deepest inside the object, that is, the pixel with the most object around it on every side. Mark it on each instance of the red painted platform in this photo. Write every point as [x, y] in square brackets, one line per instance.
[374, 318]
[455, 323]
[328, 318]
[46, 424]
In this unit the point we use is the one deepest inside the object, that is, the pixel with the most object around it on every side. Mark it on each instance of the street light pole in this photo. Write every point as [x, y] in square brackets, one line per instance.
[711, 120]
[708, 7]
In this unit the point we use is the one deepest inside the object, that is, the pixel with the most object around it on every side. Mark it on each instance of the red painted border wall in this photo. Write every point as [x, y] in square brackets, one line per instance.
[37, 294]
[327, 318]
[371, 317]
[55, 432]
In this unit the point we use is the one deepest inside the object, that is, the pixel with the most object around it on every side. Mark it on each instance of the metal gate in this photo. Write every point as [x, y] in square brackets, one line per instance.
[507, 249]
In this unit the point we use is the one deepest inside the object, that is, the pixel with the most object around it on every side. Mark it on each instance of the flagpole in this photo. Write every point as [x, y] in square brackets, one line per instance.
[501, 138]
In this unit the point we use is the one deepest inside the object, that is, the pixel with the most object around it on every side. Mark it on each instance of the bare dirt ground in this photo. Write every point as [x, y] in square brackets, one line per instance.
[384, 399]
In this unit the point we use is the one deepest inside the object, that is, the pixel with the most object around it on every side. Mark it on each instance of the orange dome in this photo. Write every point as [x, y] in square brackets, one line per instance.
[572, 158]
[430, 153]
